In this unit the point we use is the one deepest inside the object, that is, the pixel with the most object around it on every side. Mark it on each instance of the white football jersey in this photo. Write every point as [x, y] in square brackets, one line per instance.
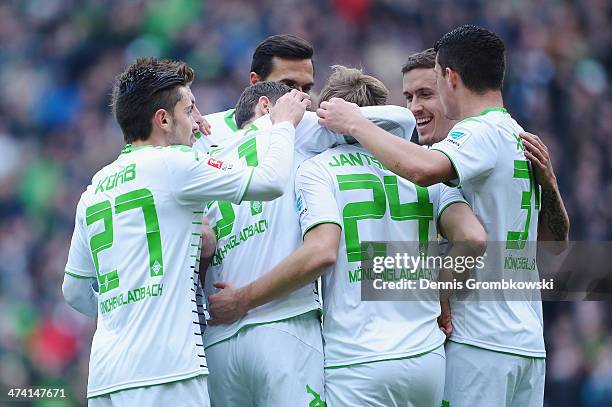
[347, 186]
[137, 231]
[223, 127]
[497, 181]
[254, 237]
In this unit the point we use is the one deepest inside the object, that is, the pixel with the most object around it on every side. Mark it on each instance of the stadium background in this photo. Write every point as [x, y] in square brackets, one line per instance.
[57, 60]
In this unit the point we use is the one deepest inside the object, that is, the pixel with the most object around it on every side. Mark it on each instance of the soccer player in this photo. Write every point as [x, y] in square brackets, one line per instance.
[378, 353]
[497, 354]
[420, 90]
[252, 238]
[137, 231]
[280, 58]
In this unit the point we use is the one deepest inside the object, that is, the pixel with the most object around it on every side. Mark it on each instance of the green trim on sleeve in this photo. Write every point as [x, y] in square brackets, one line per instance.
[248, 184]
[445, 208]
[450, 183]
[309, 228]
[78, 276]
[229, 120]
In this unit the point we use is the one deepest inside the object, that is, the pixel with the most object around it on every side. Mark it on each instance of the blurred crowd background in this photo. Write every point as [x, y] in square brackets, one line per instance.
[57, 61]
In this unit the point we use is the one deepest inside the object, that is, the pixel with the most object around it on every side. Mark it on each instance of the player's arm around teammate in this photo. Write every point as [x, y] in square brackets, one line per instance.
[425, 167]
[305, 265]
[272, 174]
[318, 252]
[458, 224]
[553, 224]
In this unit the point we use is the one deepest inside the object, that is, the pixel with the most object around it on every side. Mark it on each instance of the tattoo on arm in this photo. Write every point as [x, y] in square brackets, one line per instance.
[554, 215]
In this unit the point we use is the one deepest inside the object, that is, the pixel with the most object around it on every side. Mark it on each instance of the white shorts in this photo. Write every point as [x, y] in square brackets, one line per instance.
[411, 382]
[189, 392]
[278, 364]
[478, 377]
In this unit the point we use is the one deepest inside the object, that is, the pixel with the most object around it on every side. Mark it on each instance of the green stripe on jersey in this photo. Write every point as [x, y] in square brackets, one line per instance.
[230, 120]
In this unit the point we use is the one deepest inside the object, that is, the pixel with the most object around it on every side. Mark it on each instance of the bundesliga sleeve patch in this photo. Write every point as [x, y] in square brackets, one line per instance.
[300, 205]
[457, 137]
[223, 166]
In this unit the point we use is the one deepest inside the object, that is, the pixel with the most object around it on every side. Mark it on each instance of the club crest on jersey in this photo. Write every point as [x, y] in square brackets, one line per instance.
[457, 137]
[223, 166]
[256, 207]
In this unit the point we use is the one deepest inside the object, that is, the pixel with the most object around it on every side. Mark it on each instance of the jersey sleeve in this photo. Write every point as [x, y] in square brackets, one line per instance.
[397, 120]
[312, 138]
[314, 195]
[471, 150]
[80, 262]
[204, 144]
[222, 126]
[195, 178]
[447, 197]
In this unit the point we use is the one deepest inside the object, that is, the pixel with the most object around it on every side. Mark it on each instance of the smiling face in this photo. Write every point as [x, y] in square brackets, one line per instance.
[419, 87]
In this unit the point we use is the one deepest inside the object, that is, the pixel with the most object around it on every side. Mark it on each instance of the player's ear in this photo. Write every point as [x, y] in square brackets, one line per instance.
[162, 119]
[452, 78]
[263, 106]
[254, 78]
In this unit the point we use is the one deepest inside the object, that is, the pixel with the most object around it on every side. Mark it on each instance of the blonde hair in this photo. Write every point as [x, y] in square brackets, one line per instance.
[354, 86]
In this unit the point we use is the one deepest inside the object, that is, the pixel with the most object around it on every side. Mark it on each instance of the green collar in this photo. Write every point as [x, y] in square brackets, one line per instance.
[493, 109]
[229, 119]
[489, 110]
[129, 149]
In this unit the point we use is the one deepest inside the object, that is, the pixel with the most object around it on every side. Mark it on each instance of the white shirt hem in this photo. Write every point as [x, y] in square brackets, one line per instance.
[212, 340]
[533, 353]
[145, 382]
[335, 364]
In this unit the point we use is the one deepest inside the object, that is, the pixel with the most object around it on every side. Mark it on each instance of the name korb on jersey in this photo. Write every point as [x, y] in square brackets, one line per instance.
[138, 231]
[125, 175]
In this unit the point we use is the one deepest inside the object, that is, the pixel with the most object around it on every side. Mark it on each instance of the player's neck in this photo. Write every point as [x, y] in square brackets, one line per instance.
[474, 104]
[247, 124]
[258, 114]
[153, 140]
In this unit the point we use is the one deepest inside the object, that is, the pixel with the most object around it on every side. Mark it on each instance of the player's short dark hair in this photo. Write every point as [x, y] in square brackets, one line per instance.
[354, 86]
[420, 60]
[182, 68]
[245, 107]
[144, 87]
[477, 54]
[282, 46]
